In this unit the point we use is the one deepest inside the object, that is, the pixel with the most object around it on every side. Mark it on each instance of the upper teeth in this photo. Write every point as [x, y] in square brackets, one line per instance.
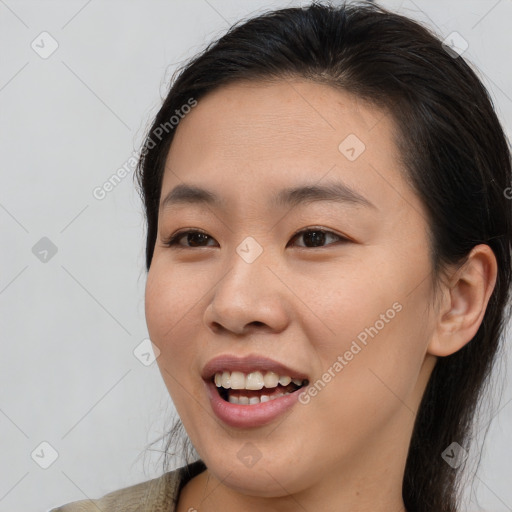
[253, 380]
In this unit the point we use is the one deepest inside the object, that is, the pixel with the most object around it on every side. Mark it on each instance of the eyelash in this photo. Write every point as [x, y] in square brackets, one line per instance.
[173, 240]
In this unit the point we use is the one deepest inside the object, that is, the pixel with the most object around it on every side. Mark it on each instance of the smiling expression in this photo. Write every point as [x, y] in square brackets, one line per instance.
[308, 236]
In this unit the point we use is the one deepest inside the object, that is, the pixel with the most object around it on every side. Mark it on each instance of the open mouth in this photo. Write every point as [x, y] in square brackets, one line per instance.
[253, 396]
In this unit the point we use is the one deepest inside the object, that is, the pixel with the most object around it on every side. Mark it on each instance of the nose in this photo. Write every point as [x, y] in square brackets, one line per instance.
[248, 297]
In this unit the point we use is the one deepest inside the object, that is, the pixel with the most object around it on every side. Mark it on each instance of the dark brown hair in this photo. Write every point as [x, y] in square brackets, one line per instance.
[453, 149]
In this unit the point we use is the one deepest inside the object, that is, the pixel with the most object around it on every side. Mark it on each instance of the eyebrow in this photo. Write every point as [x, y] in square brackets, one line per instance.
[336, 191]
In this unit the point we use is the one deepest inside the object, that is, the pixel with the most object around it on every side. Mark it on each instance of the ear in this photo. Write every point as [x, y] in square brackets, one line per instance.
[465, 301]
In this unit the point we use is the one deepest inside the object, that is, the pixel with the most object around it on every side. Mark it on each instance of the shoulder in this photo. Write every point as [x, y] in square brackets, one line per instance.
[154, 495]
[129, 499]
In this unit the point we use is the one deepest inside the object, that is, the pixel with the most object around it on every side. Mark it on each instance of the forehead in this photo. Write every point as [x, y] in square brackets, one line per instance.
[287, 114]
[251, 136]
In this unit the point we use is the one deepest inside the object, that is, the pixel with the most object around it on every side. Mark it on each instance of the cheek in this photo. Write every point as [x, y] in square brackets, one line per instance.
[157, 314]
[172, 307]
[378, 324]
[347, 300]
[373, 384]
[168, 301]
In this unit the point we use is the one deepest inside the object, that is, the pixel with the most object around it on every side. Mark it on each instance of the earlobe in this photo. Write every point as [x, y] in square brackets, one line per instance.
[465, 303]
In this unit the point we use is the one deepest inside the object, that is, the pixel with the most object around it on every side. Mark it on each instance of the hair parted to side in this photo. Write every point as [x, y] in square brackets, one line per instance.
[456, 158]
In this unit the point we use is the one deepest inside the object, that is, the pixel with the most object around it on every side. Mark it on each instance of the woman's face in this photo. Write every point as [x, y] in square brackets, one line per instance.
[347, 309]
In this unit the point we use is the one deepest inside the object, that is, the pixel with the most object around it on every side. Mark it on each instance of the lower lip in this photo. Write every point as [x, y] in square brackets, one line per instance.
[249, 416]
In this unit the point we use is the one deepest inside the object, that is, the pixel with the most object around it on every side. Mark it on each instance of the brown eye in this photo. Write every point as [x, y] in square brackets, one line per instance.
[313, 237]
[195, 238]
[316, 237]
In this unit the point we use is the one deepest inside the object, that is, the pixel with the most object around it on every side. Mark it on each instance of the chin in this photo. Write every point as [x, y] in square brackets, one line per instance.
[266, 479]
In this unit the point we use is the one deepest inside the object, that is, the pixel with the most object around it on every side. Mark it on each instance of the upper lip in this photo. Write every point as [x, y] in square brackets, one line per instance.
[230, 363]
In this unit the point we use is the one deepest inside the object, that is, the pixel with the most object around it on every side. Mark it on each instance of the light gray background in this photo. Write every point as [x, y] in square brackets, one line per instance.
[69, 326]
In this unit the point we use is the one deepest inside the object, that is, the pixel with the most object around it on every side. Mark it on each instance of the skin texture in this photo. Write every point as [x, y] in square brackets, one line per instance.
[299, 304]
